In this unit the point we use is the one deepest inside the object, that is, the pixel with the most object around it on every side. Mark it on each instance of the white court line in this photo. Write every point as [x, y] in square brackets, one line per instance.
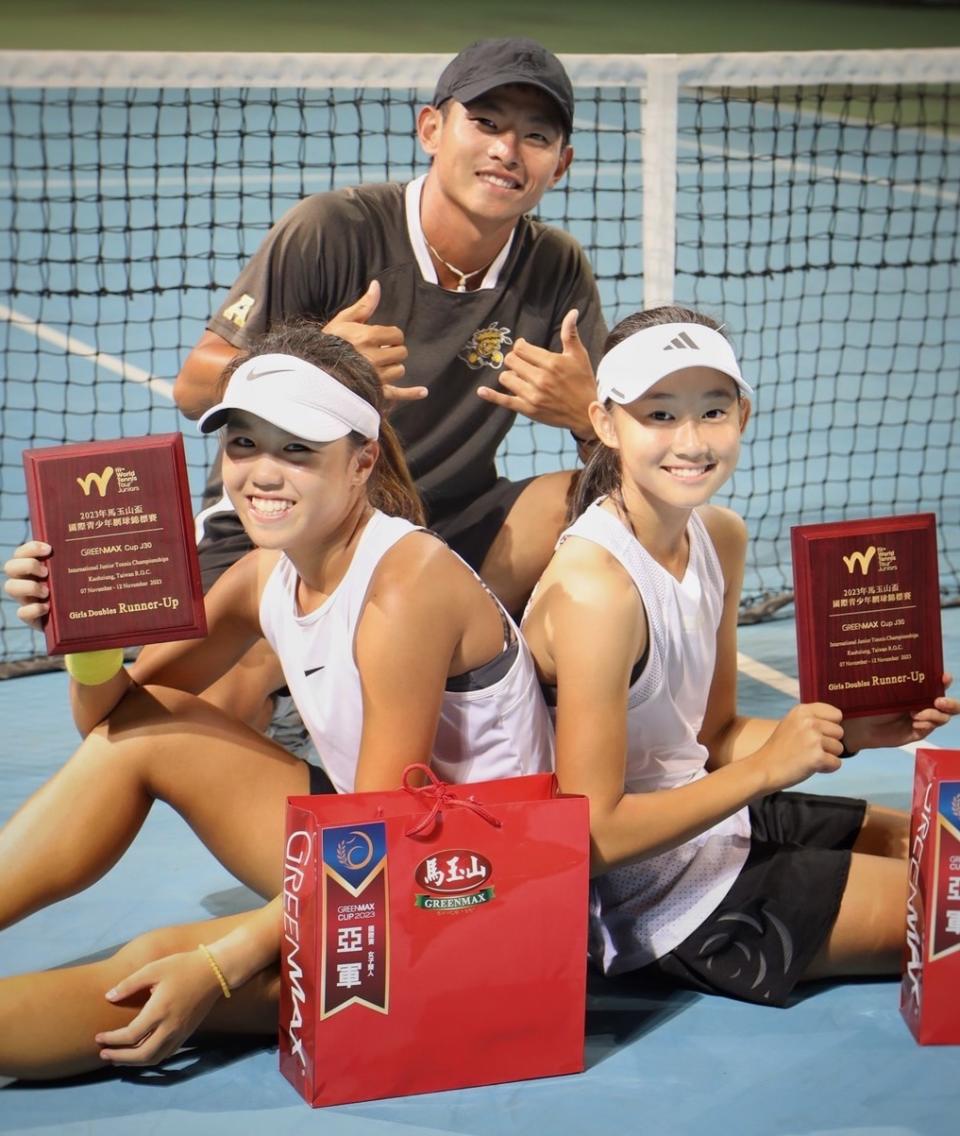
[827, 173]
[579, 171]
[813, 120]
[85, 351]
[768, 676]
[820, 171]
[754, 669]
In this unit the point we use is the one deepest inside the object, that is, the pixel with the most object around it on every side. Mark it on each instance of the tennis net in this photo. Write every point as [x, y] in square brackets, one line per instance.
[809, 200]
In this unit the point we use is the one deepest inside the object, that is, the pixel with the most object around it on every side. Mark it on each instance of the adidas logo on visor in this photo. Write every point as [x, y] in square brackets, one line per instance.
[683, 342]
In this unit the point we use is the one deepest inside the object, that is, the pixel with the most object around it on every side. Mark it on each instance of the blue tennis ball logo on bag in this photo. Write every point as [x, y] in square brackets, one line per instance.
[356, 851]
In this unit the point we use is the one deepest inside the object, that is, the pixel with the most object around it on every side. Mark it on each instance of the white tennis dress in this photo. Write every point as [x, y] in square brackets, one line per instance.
[499, 730]
[641, 911]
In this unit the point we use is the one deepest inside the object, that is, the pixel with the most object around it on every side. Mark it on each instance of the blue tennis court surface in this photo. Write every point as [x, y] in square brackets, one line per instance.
[126, 223]
[839, 1061]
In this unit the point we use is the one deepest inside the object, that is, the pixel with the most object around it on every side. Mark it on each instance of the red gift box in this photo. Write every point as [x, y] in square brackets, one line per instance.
[434, 938]
[930, 992]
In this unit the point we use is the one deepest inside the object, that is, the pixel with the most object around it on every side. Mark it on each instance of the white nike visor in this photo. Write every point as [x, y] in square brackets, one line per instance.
[296, 396]
[631, 368]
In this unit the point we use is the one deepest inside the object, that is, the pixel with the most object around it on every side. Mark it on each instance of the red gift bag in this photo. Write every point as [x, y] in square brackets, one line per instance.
[434, 938]
[930, 991]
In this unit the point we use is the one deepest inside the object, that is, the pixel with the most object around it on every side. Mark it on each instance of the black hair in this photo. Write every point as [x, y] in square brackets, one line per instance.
[602, 474]
[390, 488]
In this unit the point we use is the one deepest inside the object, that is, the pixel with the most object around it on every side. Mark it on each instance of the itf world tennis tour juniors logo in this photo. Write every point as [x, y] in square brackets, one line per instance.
[126, 480]
[886, 560]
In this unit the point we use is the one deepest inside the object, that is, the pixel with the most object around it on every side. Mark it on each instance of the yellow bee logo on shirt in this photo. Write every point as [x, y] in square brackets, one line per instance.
[485, 348]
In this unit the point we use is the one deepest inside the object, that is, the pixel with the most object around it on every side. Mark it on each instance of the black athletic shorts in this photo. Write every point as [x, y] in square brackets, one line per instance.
[765, 933]
[468, 526]
[319, 781]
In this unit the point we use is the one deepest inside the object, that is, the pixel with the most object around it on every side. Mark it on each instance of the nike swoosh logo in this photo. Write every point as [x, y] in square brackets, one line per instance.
[313, 670]
[260, 374]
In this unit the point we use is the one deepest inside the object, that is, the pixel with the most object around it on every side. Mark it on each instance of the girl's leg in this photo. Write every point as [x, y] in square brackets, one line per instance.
[885, 832]
[48, 1020]
[868, 935]
[227, 781]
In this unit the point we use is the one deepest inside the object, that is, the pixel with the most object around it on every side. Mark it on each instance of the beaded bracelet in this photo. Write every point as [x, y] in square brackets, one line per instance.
[224, 985]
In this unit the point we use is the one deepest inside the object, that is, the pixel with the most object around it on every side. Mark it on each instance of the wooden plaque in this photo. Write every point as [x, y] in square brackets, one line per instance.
[867, 599]
[124, 567]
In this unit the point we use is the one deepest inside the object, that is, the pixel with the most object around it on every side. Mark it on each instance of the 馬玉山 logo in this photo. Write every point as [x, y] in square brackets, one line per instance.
[452, 880]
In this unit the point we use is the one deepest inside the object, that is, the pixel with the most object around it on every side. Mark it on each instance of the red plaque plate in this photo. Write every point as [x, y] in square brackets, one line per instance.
[124, 565]
[867, 599]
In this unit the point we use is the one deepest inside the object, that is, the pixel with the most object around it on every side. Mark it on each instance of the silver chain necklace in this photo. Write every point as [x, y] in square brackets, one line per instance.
[464, 276]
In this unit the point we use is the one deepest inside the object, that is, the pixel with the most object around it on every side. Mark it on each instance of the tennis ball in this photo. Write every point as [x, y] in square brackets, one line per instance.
[91, 668]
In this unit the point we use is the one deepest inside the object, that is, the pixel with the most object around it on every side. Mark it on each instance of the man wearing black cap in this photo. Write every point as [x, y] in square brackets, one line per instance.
[471, 311]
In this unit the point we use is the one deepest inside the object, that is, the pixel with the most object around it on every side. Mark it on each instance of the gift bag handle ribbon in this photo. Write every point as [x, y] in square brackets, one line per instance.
[437, 796]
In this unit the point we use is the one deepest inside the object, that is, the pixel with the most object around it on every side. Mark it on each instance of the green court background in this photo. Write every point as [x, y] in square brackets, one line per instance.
[629, 26]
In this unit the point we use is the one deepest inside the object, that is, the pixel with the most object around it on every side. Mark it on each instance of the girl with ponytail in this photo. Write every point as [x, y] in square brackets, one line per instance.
[393, 651]
[705, 872]
[391, 488]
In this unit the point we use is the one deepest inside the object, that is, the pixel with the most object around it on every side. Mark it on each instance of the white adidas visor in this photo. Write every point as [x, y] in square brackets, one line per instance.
[631, 368]
[296, 396]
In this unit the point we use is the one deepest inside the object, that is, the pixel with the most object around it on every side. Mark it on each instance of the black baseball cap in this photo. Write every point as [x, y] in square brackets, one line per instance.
[493, 63]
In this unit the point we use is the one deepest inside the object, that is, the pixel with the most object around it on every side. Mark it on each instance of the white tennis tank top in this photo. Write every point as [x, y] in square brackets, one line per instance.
[501, 730]
[641, 911]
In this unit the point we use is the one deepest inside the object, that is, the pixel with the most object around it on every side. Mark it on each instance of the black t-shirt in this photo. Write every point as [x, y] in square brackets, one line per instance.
[321, 257]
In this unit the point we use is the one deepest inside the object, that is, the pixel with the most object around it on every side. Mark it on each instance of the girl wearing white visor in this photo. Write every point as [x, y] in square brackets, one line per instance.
[392, 648]
[704, 871]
